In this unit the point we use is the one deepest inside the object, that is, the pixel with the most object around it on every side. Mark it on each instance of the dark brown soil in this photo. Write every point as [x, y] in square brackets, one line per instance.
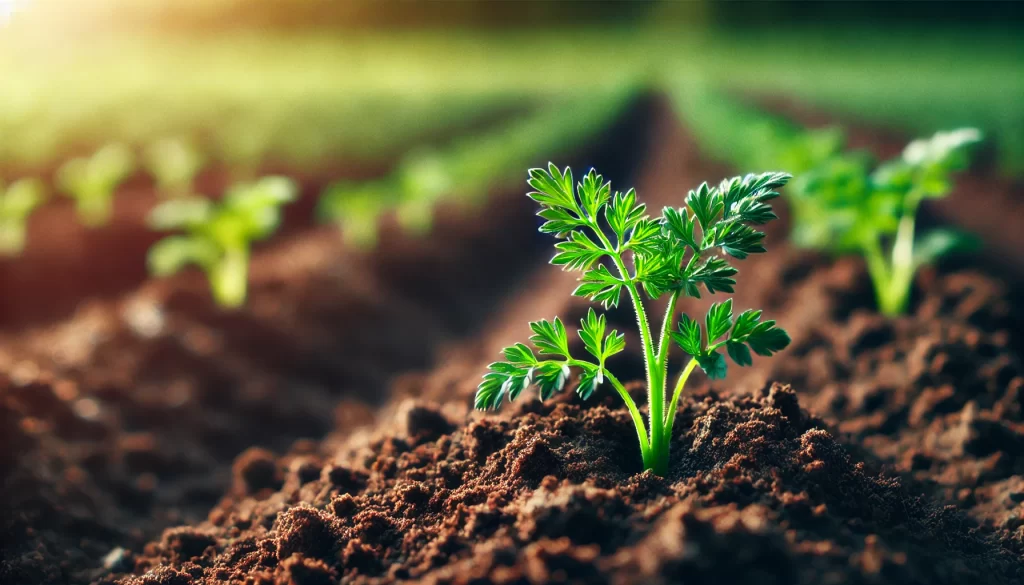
[759, 492]
[936, 394]
[125, 419]
[902, 466]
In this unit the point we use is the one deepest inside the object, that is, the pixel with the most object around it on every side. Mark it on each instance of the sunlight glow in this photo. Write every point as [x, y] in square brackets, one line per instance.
[7, 9]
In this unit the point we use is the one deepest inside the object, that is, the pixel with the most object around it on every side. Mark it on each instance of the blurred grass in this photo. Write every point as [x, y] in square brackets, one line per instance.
[914, 81]
[368, 96]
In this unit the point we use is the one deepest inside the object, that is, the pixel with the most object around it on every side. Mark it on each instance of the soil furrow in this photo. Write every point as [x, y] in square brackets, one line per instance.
[759, 491]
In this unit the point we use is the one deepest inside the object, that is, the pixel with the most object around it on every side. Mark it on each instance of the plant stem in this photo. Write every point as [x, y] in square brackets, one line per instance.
[655, 378]
[229, 278]
[878, 269]
[666, 329]
[902, 273]
[638, 421]
[674, 405]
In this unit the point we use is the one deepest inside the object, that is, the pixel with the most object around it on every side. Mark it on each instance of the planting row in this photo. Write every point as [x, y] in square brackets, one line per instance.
[218, 234]
[554, 492]
[840, 203]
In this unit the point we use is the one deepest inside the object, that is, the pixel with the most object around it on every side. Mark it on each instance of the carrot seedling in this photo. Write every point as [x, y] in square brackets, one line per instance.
[92, 181]
[174, 164]
[844, 206]
[17, 202]
[218, 235]
[620, 249]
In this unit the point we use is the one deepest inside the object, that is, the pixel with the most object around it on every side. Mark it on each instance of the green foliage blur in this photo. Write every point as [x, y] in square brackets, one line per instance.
[218, 235]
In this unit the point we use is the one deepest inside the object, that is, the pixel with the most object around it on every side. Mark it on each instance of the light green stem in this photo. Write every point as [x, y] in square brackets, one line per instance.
[892, 280]
[638, 421]
[655, 379]
[902, 273]
[229, 278]
[666, 330]
[674, 406]
[879, 271]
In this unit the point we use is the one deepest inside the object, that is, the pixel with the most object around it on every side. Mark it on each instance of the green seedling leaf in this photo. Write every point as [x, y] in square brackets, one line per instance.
[181, 214]
[941, 242]
[173, 253]
[766, 339]
[594, 193]
[689, 336]
[550, 338]
[600, 286]
[92, 181]
[624, 213]
[520, 355]
[592, 333]
[739, 353]
[719, 320]
[578, 252]
[713, 365]
[706, 204]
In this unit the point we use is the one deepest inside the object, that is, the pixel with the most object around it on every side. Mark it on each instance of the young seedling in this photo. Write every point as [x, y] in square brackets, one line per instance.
[843, 206]
[620, 249]
[423, 179]
[17, 202]
[356, 207]
[219, 235]
[174, 163]
[92, 181]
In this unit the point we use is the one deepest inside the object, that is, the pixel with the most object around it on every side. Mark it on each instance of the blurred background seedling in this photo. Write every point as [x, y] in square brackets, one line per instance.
[93, 181]
[845, 206]
[174, 164]
[17, 202]
[218, 236]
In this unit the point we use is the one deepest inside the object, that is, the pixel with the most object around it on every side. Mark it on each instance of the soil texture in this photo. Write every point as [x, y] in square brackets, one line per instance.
[325, 434]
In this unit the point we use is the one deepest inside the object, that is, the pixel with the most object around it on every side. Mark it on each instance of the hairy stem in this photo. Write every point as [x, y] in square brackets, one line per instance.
[666, 330]
[655, 379]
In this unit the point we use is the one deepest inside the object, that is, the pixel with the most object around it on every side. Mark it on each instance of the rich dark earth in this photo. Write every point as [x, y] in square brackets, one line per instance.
[324, 433]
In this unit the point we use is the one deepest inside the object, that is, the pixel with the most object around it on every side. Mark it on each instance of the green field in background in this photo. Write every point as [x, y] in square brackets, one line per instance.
[317, 98]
